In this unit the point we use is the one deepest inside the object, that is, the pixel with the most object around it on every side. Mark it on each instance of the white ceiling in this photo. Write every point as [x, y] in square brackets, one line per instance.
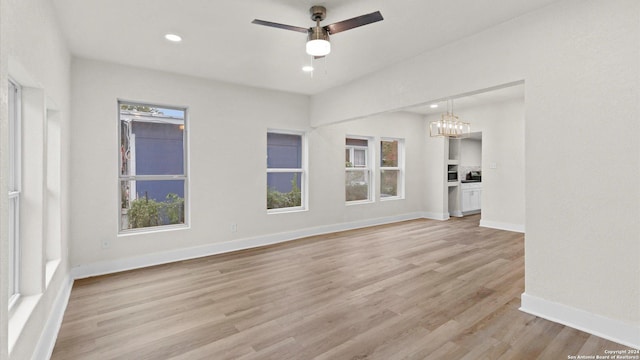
[466, 101]
[221, 43]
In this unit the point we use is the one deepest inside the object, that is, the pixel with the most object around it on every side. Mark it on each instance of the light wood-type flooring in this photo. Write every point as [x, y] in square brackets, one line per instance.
[418, 289]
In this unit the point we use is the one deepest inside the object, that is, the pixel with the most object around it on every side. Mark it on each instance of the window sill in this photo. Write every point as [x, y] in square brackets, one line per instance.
[358, 202]
[50, 270]
[21, 313]
[155, 229]
[390, 198]
[286, 210]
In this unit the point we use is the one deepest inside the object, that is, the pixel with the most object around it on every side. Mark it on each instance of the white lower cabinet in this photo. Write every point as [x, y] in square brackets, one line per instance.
[471, 196]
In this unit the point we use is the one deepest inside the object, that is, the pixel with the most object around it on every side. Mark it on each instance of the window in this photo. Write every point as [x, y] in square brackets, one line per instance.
[358, 172]
[14, 183]
[285, 171]
[153, 166]
[391, 172]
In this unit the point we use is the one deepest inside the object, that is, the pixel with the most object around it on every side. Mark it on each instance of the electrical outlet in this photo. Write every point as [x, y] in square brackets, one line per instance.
[106, 243]
[234, 228]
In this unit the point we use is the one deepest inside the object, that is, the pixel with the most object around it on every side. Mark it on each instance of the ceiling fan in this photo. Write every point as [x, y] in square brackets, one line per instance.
[318, 44]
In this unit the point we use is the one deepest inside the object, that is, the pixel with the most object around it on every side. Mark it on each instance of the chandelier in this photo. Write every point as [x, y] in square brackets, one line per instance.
[449, 125]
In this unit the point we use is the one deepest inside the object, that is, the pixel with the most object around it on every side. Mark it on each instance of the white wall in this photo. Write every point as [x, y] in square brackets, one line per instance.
[436, 154]
[227, 127]
[579, 60]
[33, 53]
[470, 153]
[503, 187]
[503, 163]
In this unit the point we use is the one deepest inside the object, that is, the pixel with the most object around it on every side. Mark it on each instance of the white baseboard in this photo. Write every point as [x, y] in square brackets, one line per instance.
[435, 216]
[44, 347]
[502, 226]
[113, 266]
[456, 213]
[607, 328]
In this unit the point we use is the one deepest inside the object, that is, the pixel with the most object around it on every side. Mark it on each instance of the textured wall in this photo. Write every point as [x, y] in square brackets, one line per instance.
[579, 60]
[227, 126]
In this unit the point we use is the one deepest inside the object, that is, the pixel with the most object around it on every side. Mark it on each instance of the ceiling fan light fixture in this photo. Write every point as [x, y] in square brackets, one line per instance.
[318, 37]
[318, 47]
[318, 42]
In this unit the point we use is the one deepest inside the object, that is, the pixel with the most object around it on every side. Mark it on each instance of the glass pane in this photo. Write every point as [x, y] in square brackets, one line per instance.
[347, 158]
[283, 190]
[359, 157]
[284, 151]
[13, 223]
[357, 185]
[14, 133]
[14, 247]
[389, 183]
[357, 142]
[151, 203]
[151, 140]
[389, 153]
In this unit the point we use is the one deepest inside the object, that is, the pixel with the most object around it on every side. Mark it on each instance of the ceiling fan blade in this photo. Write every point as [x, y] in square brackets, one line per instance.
[354, 22]
[281, 26]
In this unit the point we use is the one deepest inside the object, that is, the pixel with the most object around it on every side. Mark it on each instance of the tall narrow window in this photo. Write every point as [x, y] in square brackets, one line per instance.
[285, 171]
[357, 170]
[391, 169]
[153, 166]
[14, 191]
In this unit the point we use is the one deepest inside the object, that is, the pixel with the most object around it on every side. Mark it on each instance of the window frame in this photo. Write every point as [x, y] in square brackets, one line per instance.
[400, 169]
[302, 170]
[166, 177]
[369, 161]
[14, 189]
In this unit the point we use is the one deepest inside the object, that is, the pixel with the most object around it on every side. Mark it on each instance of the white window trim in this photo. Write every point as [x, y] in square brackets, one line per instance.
[369, 158]
[303, 171]
[399, 168]
[184, 176]
[14, 192]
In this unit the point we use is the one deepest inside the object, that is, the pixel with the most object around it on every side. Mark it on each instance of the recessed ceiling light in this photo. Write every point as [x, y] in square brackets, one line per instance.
[433, 106]
[173, 37]
[307, 68]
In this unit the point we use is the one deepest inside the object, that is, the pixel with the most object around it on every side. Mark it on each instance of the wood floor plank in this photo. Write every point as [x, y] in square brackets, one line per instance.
[418, 289]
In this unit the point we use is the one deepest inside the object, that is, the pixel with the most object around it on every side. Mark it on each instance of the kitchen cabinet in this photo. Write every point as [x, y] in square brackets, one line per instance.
[471, 197]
